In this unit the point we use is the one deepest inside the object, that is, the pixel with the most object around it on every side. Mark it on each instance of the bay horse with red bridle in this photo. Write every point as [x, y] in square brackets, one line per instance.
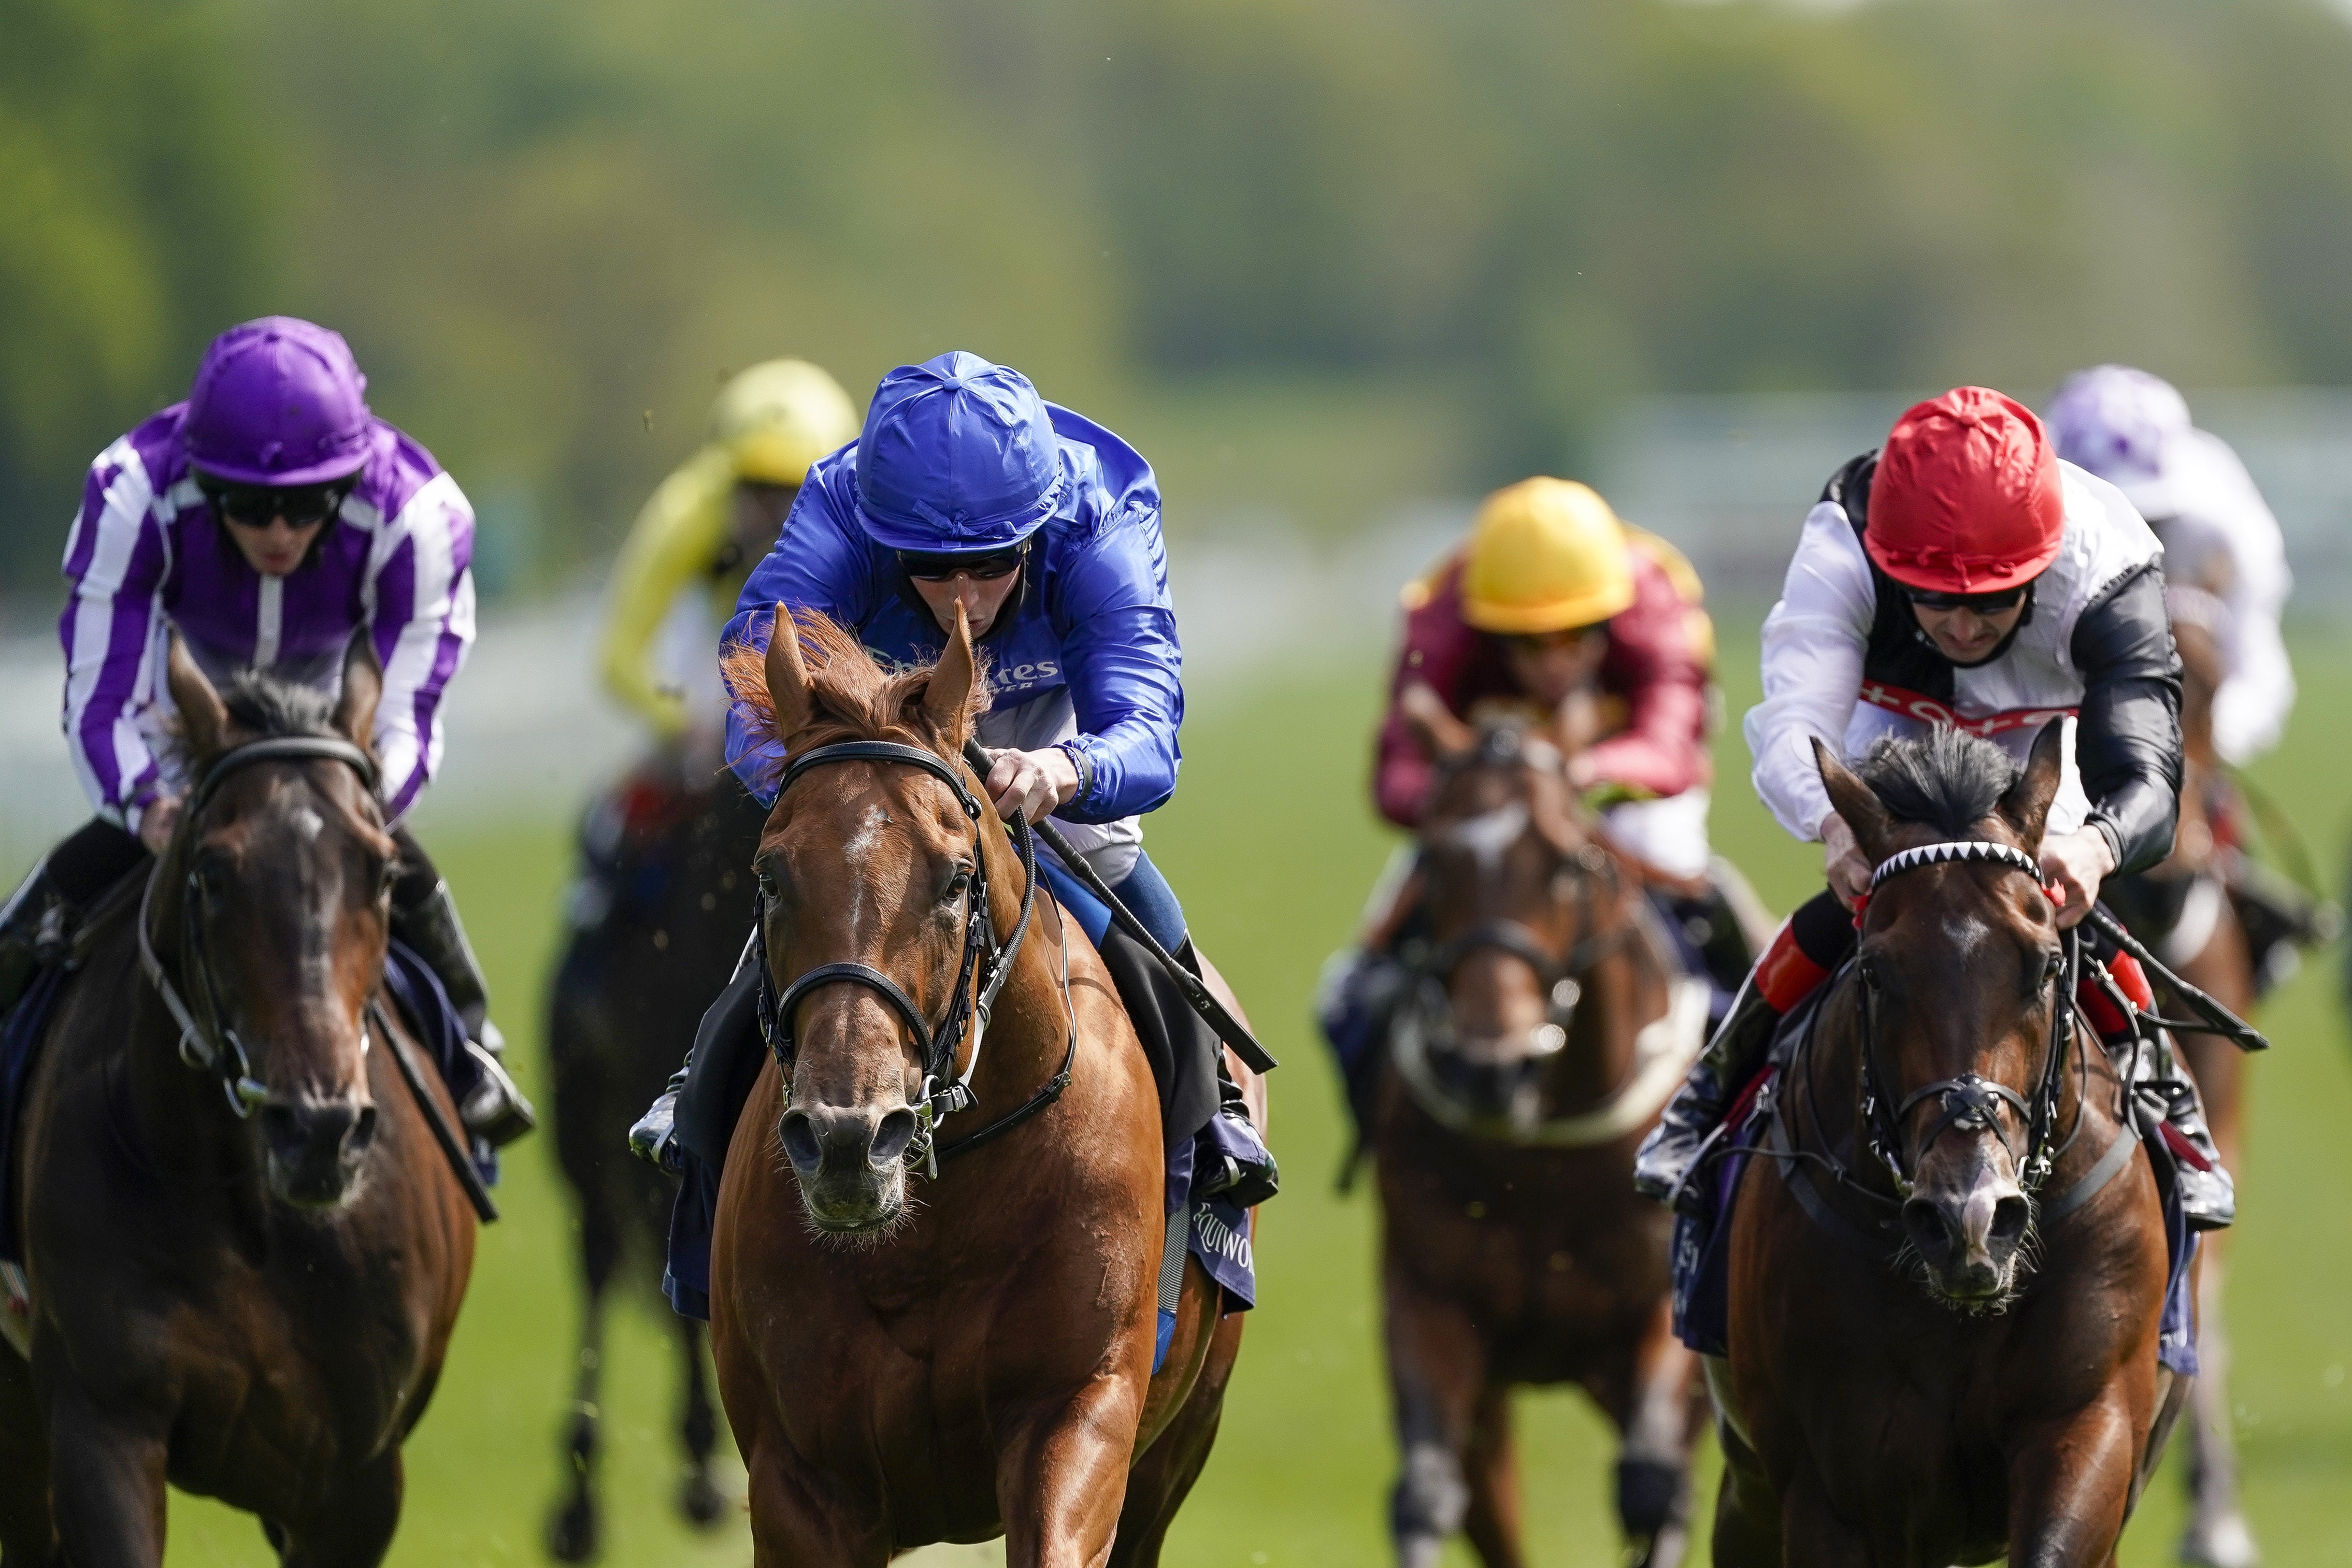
[1949, 1263]
[967, 1353]
[245, 1242]
[1546, 1023]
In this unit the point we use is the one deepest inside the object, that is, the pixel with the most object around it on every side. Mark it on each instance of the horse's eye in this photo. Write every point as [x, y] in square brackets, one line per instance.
[1868, 969]
[766, 877]
[386, 875]
[958, 884]
[2053, 964]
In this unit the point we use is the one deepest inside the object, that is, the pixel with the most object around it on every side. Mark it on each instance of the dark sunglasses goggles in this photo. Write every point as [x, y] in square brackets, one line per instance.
[254, 506]
[1995, 603]
[981, 566]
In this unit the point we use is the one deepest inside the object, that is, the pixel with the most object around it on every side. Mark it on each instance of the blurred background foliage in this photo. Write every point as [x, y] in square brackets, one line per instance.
[1318, 257]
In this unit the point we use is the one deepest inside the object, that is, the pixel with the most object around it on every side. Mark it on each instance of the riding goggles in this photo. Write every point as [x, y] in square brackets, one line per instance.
[252, 506]
[981, 566]
[1992, 604]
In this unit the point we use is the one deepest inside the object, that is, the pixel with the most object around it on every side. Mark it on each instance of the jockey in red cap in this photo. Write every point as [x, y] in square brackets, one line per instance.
[1962, 575]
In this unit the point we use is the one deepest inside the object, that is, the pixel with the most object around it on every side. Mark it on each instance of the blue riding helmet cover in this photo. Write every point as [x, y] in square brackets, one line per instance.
[957, 454]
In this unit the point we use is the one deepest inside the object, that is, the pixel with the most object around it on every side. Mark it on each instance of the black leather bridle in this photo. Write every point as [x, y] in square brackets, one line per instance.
[207, 1043]
[984, 967]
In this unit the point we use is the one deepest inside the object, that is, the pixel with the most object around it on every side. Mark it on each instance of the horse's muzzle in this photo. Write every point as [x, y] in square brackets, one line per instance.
[850, 1161]
[315, 1147]
[1968, 1238]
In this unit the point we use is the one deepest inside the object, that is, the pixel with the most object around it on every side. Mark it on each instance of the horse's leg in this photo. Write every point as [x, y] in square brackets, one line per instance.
[2216, 1534]
[1659, 1409]
[574, 1530]
[2069, 1493]
[26, 1538]
[1437, 1370]
[1813, 1535]
[355, 1528]
[793, 1526]
[1490, 1467]
[106, 1482]
[1062, 1479]
[699, 1498]
[1158, 1485]
[1746, 1508]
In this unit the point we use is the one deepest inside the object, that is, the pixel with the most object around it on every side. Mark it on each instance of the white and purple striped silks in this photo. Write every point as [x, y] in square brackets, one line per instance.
[145, 557]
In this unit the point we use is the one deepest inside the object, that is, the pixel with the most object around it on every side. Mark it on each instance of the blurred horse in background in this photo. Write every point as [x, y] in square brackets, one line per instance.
[978, 1360]
[245, 1242]
[2182, 910]
[658, 920]
[1546, 1023]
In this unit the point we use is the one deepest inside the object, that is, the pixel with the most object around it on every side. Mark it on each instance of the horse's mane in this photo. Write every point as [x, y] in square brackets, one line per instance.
[855, 698]
[1950, 780]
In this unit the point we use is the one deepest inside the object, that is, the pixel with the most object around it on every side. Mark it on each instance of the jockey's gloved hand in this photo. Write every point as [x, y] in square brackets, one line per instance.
[2076, 863]
[654, 1137]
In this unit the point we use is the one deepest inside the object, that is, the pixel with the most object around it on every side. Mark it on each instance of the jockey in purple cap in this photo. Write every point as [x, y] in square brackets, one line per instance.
[266, 520]
[967, 488]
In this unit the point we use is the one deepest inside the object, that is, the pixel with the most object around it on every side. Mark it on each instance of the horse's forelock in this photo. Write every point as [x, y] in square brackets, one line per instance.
[260, 707]
[1947, 780]
[855, 697]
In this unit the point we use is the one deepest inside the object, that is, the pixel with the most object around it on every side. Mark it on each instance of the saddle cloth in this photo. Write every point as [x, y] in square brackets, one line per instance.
[1180, 1047]
[1702, 1244]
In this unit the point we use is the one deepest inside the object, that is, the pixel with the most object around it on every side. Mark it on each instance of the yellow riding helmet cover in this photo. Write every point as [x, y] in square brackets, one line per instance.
[1545, 556]
[778, 418]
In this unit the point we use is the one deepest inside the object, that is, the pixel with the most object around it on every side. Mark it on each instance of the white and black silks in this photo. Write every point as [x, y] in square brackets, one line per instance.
[1845, 660]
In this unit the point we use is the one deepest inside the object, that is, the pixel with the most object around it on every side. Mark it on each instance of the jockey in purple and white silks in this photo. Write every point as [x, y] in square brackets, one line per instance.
[266, 520]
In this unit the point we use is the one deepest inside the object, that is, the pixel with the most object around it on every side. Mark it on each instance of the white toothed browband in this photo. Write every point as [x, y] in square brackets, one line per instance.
[1966, 849]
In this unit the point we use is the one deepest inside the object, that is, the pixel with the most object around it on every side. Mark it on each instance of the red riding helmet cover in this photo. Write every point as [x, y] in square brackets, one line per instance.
[1966, 499]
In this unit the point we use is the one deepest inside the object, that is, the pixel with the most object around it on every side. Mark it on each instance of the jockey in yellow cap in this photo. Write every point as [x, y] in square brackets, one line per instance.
[713, 520]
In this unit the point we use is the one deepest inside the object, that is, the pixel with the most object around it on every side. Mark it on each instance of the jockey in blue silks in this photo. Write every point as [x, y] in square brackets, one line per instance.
[967, 488]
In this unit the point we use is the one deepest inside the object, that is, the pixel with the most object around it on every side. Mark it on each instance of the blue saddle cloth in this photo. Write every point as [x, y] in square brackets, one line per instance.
[1702, 1249]
[1217, 1233]
[415, 989]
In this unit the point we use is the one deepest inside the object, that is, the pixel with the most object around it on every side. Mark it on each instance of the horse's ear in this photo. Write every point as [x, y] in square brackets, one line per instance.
[203, 718]
[788, 677]
[1432, 723]
[1858, 804]
[2026, 806]
[362, 688]
[947, 700]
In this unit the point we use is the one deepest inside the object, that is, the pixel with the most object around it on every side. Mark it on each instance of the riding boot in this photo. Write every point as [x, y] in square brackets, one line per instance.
[2209, 1198]
[495, 1110]
[1669, 1157]
[1247, 1175]
[653, 1137]
[700, 1102]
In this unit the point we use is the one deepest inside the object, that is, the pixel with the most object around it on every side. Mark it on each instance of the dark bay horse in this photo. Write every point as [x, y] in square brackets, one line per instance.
[1548, 1026]
[946, 1358]
[635, 977]
[245, 1249]
[1946, 1289]
[2182, 910]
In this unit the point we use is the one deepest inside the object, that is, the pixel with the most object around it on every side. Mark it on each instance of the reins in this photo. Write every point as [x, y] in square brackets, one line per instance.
[984, 967]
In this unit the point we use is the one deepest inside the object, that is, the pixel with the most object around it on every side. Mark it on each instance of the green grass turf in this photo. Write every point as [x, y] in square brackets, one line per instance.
[1272, 848]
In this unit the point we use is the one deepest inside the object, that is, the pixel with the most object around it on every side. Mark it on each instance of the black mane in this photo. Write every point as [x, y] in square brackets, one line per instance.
[1951, 780]
[261, 706]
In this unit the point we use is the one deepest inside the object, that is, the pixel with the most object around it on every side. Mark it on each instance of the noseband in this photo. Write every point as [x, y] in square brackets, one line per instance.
[1971, 1102]
[207, 1044]
[985, 966]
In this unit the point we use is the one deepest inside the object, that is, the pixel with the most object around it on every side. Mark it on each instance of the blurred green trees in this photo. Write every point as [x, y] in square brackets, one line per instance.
[1434, 243]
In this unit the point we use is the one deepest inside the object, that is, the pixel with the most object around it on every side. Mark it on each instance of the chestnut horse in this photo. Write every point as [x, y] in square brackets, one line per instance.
[1948, 1276]
[1547, 1027]
[2182, 910]
[973, 1357]
[246, 1249]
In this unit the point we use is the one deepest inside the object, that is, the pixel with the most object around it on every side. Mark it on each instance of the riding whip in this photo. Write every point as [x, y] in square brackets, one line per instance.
[1212, 1012]
[2219, 1020]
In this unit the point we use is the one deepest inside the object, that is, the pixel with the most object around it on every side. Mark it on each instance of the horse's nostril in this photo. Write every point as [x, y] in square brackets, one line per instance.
[2009, 1219]
[1929, 1232]
[280, 1127]
[890, 1140]
[363, 1134]
[801, 1143]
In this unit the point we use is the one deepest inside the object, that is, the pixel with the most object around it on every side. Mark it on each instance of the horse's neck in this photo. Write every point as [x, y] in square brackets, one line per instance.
[1623, 992]
[1030, 1030]
[176, 1114]
[1821, 1093]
